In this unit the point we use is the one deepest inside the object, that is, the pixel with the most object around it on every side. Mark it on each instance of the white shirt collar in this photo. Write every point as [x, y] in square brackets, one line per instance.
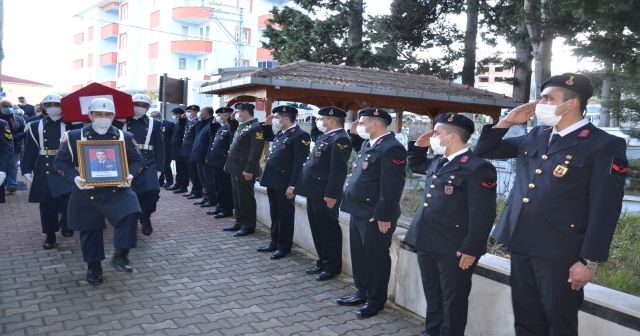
[333, 130]
[571, 128]
[373, 141]
[290, 127]
[454, 155]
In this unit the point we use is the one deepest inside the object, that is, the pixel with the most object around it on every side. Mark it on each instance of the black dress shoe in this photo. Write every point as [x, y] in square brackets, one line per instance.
[167, 185]
[206, 205]
[236, 227]
[147, 229]
[94, 274]
[173, 187]
[67, 233]
[351, 300]
[187, 195]
[244, 232]
[279, 255]
[180, 191]
[212, 212]
[203, 201]
[195, 196]
[223, 215]
[324, 276]
[120, 261]
[50, 241]
[366, 311]
[314, 270]
[268, 248]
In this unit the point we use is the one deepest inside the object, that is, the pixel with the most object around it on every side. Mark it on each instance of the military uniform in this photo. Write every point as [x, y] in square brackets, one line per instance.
[149, 139]
[166, 177]
[198, 155]
[222, 136]
[48, 188]
[323, 175]
[182, 162]
[6, 153]
[188, 141]
[457, 212]
[89, 208]
[288, 151]
[373, 194]
[244, 156]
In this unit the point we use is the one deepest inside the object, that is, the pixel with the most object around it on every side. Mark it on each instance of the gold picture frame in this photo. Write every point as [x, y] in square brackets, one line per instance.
[102, 163]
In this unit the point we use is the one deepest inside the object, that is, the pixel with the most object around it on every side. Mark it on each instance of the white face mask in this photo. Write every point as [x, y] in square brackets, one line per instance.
[276, 124]
[546, 114]
[219, 119]
[198, 115]
[237, 117]
[436, 146]
[320, 126]
[362, 132]
[101, 125]
[139, 111]
[54, 110]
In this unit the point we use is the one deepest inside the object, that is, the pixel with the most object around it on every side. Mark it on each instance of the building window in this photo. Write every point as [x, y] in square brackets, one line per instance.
[185, 30]
[182, 64]
[152, 66]
[246, 36]
[484, 79]
[124, 12]
[199, 64]
[122, 41]
[122, 69]
[204, 64]
[499, 79]
[499, 69]
[268, 64]
[483, 70]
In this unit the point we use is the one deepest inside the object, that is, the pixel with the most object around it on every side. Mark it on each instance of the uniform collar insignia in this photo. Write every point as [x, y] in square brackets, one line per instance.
[584, 133]
[464, 159]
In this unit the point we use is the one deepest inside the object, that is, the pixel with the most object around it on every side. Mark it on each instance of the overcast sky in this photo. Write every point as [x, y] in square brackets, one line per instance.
[38, 39]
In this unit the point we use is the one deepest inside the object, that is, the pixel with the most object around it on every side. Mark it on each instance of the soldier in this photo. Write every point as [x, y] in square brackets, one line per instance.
[89, 206]
[187, 149]
[288, 151]
[166, 177]
[17, 125]
[321, 181]
[149, 139]
[50, 189]
[243, 166]
[564, 205]
[198, 155]
[6, 153]
[372, 197]
[450, 229]
[222, 133]
[182, 162]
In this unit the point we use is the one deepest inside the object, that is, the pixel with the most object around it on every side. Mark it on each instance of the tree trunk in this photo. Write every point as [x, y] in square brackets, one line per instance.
[541, 37]
[522, 71]
[469, 68]
[542, 57]
[354, 40]
[605, 96]
[616, 97]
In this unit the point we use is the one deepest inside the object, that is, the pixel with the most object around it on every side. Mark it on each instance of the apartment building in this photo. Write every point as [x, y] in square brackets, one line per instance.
[492, 77]
[129, 44]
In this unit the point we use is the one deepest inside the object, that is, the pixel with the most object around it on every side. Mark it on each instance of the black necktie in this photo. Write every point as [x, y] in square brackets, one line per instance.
[442, 162]
[554, 139]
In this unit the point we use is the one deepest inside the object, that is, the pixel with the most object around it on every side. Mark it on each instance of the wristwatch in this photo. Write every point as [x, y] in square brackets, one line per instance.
[592, 265]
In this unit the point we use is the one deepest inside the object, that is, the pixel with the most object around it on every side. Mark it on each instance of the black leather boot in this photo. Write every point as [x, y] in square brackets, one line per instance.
[50, 241]
[94, 273]
[120, 261]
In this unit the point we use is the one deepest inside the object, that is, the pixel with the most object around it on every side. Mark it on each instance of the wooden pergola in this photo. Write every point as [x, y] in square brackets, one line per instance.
[354, 88]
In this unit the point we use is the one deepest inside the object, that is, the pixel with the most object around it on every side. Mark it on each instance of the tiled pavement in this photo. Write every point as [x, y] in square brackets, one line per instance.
[190, 278]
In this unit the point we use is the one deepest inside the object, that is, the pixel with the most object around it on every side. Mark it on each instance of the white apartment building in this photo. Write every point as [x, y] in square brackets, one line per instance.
[129, 44]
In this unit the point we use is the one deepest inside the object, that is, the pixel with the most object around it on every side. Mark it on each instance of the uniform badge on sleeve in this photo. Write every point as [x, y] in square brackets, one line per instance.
[342, 146]
[365, 165]
[488, 184]
[7, 132]
[397, 162]
[619, 167]
[259, 136]
[306, 142]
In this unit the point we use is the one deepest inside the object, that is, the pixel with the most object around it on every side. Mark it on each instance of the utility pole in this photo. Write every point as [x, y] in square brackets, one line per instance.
[1, 38]
[236, 16]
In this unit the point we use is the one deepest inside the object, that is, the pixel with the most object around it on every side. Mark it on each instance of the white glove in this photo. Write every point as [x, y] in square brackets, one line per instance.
[80, 182]
[28, 179]
[3, 176]
[128, 184]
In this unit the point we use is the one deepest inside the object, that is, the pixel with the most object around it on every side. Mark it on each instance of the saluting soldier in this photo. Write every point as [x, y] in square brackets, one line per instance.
[147, 132]
[321, 182]
[372, 197]
[89, 206]
[288, 152]
[6, 153]
[450, 229]
[222, 134]
[48, 188]
[243, 166]
[564, 205]
[187, 148]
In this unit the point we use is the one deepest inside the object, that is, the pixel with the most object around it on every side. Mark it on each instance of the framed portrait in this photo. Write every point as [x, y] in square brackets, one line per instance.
[102, 163]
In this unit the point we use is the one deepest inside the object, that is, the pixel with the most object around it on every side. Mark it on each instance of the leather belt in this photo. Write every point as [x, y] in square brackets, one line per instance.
[146, 147]
[48, 152]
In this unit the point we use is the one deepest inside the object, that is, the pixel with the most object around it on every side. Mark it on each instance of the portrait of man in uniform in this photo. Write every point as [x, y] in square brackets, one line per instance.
[101, 165]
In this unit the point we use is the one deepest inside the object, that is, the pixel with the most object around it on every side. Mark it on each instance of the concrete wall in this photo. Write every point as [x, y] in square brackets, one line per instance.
[605, 311]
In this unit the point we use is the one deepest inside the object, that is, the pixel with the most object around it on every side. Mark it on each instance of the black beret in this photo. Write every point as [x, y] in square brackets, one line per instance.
[580, 84]
[332, 112]
[178, 110]
[458, 120]
[286, 109]
[224, 110]
[244, 106]
[375, 112]
[193, 108]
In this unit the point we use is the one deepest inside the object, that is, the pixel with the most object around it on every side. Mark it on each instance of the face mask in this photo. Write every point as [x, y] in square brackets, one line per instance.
[219, 119]
[362, 132]
[174, 117]
[101, 125]
[7, 110]
[55, 110]
[199, 115]
[321, 126]
[546, 114]
[237, 117]
[139, 111]
[55, 117]
[436, 146]
[276, 124]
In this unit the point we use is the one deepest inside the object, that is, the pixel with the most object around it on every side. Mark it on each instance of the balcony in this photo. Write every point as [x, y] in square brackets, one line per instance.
[109, 31]
[191, 47]
[191, 14]
[109, 59]
[111, 7]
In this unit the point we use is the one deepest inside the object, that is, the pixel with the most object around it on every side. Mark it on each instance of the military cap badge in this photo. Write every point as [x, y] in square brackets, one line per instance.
[569, 81]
